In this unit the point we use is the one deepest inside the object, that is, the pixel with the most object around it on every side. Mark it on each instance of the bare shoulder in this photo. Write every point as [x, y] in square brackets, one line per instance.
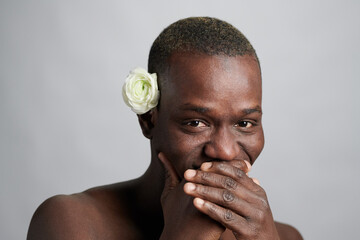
[58, 218]
[87, 215]
[287, 232]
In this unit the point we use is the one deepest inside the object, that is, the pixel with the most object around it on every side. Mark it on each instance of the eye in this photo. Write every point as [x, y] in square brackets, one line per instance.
[244, 124]
[195, 123]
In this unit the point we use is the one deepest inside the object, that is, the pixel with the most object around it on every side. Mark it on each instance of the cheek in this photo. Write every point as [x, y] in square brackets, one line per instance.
[254, 145]
[186, 151]
[182, 150]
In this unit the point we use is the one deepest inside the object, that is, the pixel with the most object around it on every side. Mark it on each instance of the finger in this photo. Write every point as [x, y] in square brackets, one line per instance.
[222, 197]
[210, 179]
[201, 184]
[226, 217]
[226, 169]
[244, 165]
[172, 179]
[248, 167]
[255, 180]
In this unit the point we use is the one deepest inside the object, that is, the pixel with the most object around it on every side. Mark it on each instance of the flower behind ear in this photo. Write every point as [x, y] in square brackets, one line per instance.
[140, 91]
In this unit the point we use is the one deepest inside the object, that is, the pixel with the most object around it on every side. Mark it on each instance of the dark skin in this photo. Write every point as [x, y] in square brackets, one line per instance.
[205, 135]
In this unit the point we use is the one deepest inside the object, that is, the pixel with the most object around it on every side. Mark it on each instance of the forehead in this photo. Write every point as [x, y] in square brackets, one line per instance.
[212, 80]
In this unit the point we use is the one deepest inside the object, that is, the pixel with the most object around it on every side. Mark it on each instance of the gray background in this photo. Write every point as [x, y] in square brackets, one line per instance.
[64, 127]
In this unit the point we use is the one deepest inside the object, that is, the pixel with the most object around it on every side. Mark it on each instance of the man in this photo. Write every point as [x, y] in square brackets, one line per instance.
[205, 134]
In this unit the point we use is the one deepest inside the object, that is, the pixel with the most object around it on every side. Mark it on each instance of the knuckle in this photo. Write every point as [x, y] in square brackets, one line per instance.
[212, 208]
[229, 183]
[260, 216]
[239, 173]
[202, 190]
[241, 164]
[221, 166]
[228, 215]
[264, 204]
[259, 190]
[228, 196]
[205, 176]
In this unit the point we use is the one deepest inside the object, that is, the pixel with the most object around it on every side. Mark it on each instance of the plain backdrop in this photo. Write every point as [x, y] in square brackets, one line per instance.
[64, 127]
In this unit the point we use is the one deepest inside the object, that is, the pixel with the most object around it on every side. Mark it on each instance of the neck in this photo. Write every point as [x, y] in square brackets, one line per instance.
[147, 206]
[149, 188]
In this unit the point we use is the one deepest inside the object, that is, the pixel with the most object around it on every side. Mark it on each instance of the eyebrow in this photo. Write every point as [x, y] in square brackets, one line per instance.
[190, 107]
[252, 110]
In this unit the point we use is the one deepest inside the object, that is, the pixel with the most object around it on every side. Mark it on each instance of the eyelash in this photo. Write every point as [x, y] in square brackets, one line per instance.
[246, 123]
[197, 122]
[240, 124]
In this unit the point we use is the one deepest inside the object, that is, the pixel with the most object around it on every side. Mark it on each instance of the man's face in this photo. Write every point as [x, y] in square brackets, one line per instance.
[210, 110]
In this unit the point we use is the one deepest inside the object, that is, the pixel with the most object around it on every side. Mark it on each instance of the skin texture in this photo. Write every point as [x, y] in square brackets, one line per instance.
[205, 135]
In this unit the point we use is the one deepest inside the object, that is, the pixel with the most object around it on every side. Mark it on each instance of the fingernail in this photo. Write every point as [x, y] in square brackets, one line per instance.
[255, 180]
[190, 186]
[190, 173]
[199, 201]
[206, 165]
[248, 165]
[160, 156]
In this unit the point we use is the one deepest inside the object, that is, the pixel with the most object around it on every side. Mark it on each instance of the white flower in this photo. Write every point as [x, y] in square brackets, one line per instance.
[140, 91]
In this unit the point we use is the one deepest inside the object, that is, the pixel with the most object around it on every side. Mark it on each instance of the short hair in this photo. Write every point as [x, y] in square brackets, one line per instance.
[205, 35]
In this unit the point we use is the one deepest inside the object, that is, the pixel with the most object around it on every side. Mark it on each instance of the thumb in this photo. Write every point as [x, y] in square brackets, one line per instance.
[172, 179]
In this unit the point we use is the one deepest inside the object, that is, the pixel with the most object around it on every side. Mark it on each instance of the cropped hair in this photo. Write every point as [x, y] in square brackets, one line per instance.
[198, 35]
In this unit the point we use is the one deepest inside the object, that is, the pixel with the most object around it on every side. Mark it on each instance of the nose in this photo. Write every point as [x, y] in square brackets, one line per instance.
[223, 145]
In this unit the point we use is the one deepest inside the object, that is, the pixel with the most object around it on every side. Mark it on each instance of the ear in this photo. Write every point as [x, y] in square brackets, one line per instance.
[147, 122]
